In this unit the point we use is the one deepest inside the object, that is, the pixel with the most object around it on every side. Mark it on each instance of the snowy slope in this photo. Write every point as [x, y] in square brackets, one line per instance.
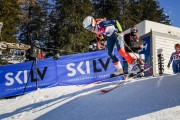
[146, 99]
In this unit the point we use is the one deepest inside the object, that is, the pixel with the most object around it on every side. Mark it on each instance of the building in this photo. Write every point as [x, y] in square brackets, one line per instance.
[160, 38]
[13, 52]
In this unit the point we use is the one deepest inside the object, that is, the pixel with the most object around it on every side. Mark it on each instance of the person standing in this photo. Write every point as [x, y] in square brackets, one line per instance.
[133, 44]
[175, 59]
[113, 31]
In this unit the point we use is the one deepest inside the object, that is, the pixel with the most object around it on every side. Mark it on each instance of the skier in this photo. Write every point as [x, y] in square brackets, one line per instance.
[133, 45]
[113, 31]
[175, 57]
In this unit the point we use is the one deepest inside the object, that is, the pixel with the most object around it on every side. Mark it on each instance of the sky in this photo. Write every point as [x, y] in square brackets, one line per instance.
[153, 98]
[172, 8]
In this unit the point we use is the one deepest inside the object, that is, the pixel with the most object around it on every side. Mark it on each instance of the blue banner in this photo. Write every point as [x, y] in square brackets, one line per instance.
[85, 68]
[14, 78]
[147, 52]
[77, 69]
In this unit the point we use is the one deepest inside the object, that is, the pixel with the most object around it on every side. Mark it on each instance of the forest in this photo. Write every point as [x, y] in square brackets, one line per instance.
[58, 23]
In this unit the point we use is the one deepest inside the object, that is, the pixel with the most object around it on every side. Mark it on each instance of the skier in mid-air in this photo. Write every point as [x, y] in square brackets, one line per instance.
[113, 31]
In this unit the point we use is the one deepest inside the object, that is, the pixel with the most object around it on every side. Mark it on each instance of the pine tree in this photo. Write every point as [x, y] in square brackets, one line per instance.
[9, 15]
[69, 32]
[109, 9]
[153, 12]
[34, 21]
[135, 11]
[99, 8]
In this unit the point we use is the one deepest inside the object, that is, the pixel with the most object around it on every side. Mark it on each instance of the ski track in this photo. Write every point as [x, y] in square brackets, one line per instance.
[156, 98]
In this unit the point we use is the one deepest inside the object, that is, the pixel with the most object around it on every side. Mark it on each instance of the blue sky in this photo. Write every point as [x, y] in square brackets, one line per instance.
[172, 8]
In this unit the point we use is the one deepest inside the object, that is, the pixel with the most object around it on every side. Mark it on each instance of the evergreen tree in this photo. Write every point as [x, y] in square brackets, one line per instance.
[152, 11]
[135, 11]
[69, 32]
[35, 21]
[43, 18]
[9, 15]
[99, 8]
[112, 9]
[109, 9]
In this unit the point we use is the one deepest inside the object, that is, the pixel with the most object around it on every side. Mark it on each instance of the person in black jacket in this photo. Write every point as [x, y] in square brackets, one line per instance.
[133, 44]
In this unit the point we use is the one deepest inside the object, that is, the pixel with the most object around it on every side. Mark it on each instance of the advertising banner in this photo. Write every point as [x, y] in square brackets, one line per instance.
[16, 79]
[147, 53]
[85, 68]
[77, 69]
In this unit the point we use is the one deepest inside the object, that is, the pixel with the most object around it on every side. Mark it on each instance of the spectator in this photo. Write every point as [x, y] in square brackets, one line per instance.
[133, 44]
[28, 56]
[175, 58]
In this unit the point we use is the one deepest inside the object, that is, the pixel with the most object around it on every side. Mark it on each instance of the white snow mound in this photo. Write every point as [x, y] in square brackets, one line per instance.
[155, 98]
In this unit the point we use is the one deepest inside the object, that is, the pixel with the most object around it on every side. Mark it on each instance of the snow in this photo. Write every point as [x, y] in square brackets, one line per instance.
[156, 98]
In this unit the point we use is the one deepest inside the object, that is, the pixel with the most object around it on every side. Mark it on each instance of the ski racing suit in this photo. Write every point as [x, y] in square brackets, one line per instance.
[175, 57]
[113, 31]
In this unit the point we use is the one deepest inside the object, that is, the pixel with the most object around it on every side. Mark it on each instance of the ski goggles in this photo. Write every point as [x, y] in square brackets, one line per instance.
[89, 27]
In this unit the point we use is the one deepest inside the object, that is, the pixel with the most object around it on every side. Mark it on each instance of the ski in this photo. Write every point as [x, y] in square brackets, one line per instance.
[129, 78]
[105, 79]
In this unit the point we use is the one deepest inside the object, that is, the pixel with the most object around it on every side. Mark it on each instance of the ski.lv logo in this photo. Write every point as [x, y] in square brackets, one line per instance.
[21, 77]
[84, 67]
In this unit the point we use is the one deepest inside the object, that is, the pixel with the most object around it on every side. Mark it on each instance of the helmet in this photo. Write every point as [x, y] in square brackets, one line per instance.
[88, 22]
[134, 29]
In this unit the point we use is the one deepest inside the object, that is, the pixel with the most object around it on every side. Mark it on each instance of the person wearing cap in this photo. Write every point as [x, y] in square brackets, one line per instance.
[113, 31]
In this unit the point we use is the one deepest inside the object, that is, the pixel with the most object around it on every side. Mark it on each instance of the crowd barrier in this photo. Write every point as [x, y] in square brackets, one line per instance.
[77, 69]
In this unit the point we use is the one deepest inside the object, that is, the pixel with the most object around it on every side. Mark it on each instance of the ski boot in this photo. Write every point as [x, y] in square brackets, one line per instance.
[133, 69]
[117, 72]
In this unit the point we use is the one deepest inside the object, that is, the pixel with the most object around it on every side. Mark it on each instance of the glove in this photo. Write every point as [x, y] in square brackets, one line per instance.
[99, 37]
[120, 35]
[168, 65]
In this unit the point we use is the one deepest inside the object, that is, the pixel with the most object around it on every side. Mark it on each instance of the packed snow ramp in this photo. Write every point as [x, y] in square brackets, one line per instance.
[155, 98]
